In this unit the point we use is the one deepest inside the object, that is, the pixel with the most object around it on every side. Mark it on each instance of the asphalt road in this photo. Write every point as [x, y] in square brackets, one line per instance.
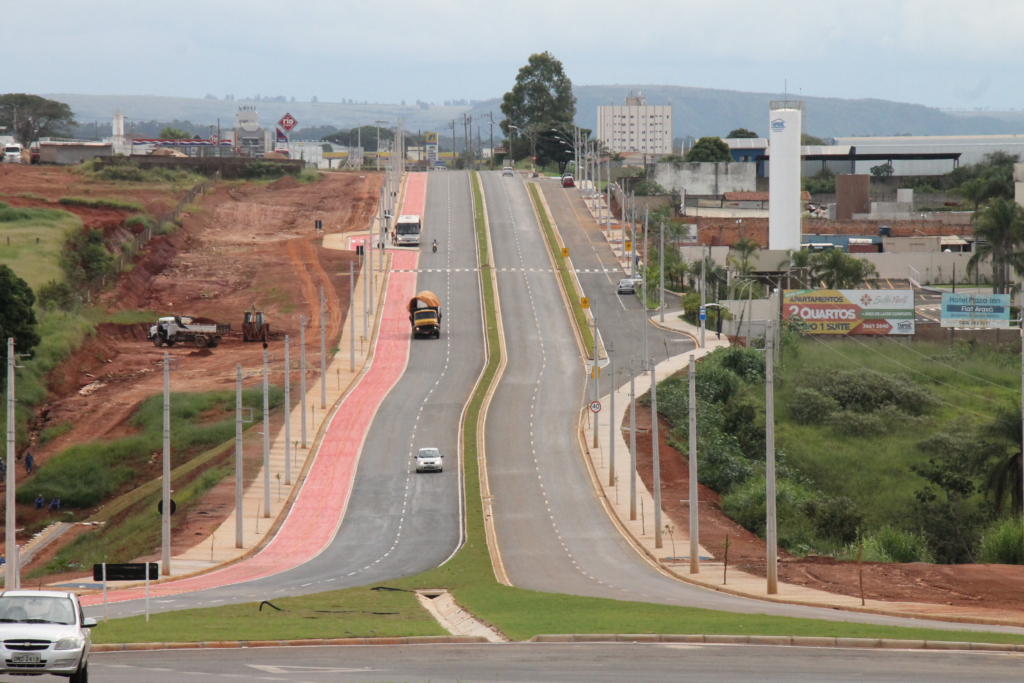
[552, 530]
[397, 522]
[537, 663]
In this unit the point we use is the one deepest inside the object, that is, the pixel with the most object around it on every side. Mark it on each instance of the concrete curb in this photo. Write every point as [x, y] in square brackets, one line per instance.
[307, 642]
[790, 641]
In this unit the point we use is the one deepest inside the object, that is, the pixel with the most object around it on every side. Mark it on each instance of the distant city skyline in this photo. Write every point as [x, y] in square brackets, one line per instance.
[944, 54]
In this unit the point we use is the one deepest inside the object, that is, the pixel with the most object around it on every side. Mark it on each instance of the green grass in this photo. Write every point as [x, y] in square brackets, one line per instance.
[519, 614]
[36, 263]
[32, 195]
[101, 203]
[85, 474]
[50, 433]
[309, 175]
[874, 469]
[567, 282]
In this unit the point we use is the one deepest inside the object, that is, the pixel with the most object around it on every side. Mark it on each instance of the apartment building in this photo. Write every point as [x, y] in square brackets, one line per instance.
[635, 127]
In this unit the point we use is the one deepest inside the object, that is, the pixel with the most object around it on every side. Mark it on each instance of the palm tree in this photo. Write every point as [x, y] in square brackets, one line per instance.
[976, 191]
[1000, 460]
[744, 248]
[1001, 225]
[802, 260]
[838, 270]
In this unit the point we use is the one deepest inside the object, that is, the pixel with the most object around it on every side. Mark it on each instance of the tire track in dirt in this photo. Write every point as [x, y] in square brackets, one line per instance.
[303, 257]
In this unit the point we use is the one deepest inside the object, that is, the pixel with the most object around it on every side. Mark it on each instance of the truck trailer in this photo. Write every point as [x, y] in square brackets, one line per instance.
[425, 315]
[175, 329]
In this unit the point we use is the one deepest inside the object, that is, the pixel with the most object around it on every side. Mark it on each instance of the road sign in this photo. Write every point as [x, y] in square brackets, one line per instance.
[288, 122]
[431, 138]
[703, 313]
[584, 302]
[132, 571]
[629, 245]
[565, 252]
[501, 150]
[595, 406]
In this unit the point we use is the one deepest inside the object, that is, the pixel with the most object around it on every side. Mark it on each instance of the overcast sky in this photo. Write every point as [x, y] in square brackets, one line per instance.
[942, 53]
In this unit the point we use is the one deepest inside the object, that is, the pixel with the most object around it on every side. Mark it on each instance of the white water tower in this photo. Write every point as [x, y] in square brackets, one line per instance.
[784, 214]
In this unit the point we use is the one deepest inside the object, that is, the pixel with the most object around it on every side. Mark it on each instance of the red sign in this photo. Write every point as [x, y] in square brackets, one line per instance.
[287, 122]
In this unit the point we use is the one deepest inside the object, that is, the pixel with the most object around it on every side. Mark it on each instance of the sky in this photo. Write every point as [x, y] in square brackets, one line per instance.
[941, 53]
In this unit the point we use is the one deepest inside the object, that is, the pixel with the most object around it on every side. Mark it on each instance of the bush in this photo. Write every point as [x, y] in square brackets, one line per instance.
[85, 259]
[101, 203]
[835, 518]
[128, 172]
[720, 467]
[57, 295]
[849, 423]
[748, 364]
[309, 175]
[746, 505]
[890, 544]
[261, 170]
[809, 406]
[1002, 543]
[865, 392]
[716, 384]
[140, 221]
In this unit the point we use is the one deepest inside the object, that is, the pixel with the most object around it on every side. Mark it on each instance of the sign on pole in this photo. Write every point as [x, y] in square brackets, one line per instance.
[851, 311]
[584, 302]
[288, 122]
[703, 313]
[978, 311]
[565, 252]
[595, 406]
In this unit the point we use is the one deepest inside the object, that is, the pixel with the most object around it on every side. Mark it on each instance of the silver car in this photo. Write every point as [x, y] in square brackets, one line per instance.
[44, 632]
[628, 286]
[507, 171]
[428, 460]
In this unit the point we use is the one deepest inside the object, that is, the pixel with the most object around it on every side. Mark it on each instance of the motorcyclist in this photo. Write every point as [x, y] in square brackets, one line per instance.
[435, 246]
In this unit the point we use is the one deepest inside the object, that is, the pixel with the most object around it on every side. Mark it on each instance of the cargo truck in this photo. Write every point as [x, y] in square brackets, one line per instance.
[173, 329]
[425, 315]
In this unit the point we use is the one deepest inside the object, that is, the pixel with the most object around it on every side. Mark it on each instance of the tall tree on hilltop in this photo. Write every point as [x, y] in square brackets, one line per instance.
[540, 101]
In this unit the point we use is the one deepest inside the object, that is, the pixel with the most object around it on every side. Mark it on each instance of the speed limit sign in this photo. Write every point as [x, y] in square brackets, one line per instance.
[595, 406]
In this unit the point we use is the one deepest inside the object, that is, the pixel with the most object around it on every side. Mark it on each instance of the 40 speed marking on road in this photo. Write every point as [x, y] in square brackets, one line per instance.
[595, 406]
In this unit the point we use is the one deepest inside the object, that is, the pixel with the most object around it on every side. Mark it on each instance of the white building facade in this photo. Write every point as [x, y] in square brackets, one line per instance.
[635, 127]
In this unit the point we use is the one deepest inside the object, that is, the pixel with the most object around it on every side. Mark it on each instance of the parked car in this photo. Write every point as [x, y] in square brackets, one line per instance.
[507, 171]
[44, 632]
[567, 181]
[428, 460]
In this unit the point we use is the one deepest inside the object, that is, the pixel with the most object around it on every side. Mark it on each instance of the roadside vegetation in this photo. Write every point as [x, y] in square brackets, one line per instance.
[519, 614]
[910, 449]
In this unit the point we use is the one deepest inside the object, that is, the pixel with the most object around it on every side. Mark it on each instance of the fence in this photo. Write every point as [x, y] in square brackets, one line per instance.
[131, 248]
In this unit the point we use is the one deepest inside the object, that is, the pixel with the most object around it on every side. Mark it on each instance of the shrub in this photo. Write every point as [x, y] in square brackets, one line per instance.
[890, 544]
[309, 175]
[836, 518]
[167, 228]
[85, 259]
[127, 172]
[849, 423]
[748, 364]
[716, 384]
[721, 468]
[809, 406]
[57, 295]
[101, 203]
[865, 392]
[742, 417]
[1002, 543]
[259, 170]
[746, 505]
[141, 221]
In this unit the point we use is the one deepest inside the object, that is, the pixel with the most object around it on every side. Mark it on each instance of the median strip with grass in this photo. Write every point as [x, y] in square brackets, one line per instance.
[519, 614]
[563, 271]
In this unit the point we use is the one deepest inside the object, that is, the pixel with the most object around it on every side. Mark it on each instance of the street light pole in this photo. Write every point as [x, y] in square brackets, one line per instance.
[238, 456]
[694, 502]
[165, 545]
[266, 435]
[661, 273]
[611, 416]
[703, 286]
[302, 373]
[323, 350]
[352, 321]
[632, 441]
[656, 456]
[287, 412]
[597, 371]
[10, 525]
[771, 532]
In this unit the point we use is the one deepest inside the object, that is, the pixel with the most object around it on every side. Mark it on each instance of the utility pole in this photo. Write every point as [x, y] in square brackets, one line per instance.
[491, 116]
[165, 544]
[352, 321]
[597, 374]
[656, 456]
[703, 286]
[287, 412]
[378, 142]
[771, 532]
[266, 435]
[323, 350]
[632, 441]
[10, 527]
[644, 306]
[661, 273]
[611, 416]
[366, 304]
[454, 155]
[238, 455]
[694, 502]
[302, 373]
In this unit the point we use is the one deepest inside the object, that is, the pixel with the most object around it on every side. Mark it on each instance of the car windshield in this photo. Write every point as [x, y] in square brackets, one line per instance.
[22, 609]
[429, 453]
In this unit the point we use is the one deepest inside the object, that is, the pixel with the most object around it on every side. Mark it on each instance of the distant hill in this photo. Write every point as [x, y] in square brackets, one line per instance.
[697, 112]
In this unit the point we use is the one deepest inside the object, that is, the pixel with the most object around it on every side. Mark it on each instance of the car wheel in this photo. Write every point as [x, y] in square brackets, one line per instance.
[80, 676]
[157, 342]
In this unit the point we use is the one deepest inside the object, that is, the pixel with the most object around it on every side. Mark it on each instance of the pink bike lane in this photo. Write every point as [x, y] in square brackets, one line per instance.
[320, 506]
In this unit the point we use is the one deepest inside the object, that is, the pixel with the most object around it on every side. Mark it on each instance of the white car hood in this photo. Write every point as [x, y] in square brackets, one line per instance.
[52, 632]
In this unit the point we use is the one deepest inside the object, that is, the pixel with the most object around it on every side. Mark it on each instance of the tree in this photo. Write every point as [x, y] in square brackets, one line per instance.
[1001, 225]
[30, 117]
[743, 249]
[648, 188]
[838, 270]
[999, 459]
[740, 133]
[709, 149]
[975, 190]
[540, 100]
[812, 141]
[170, 133]
[882, 171]
[17, 318]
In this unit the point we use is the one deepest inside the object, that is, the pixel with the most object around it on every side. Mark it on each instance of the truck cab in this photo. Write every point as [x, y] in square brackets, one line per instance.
[425, 315]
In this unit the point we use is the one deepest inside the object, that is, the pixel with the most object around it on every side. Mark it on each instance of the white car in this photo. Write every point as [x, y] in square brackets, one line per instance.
[507, 171]
[44, 632]
[628, 285]
[428, 460]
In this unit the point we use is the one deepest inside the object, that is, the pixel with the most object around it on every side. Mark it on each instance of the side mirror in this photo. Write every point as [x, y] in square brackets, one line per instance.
[88, 622]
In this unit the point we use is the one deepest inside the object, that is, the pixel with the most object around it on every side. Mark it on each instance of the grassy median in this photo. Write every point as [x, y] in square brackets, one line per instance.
[519, 614]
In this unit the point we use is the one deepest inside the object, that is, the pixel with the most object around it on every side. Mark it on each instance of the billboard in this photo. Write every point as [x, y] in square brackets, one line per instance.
[975, 310]
[851, 311]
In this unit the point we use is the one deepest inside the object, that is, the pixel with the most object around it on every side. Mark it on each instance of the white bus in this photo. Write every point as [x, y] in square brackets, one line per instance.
[407, 231]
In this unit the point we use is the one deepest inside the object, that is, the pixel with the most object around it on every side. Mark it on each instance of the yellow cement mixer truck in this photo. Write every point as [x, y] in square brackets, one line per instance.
[425, 315]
